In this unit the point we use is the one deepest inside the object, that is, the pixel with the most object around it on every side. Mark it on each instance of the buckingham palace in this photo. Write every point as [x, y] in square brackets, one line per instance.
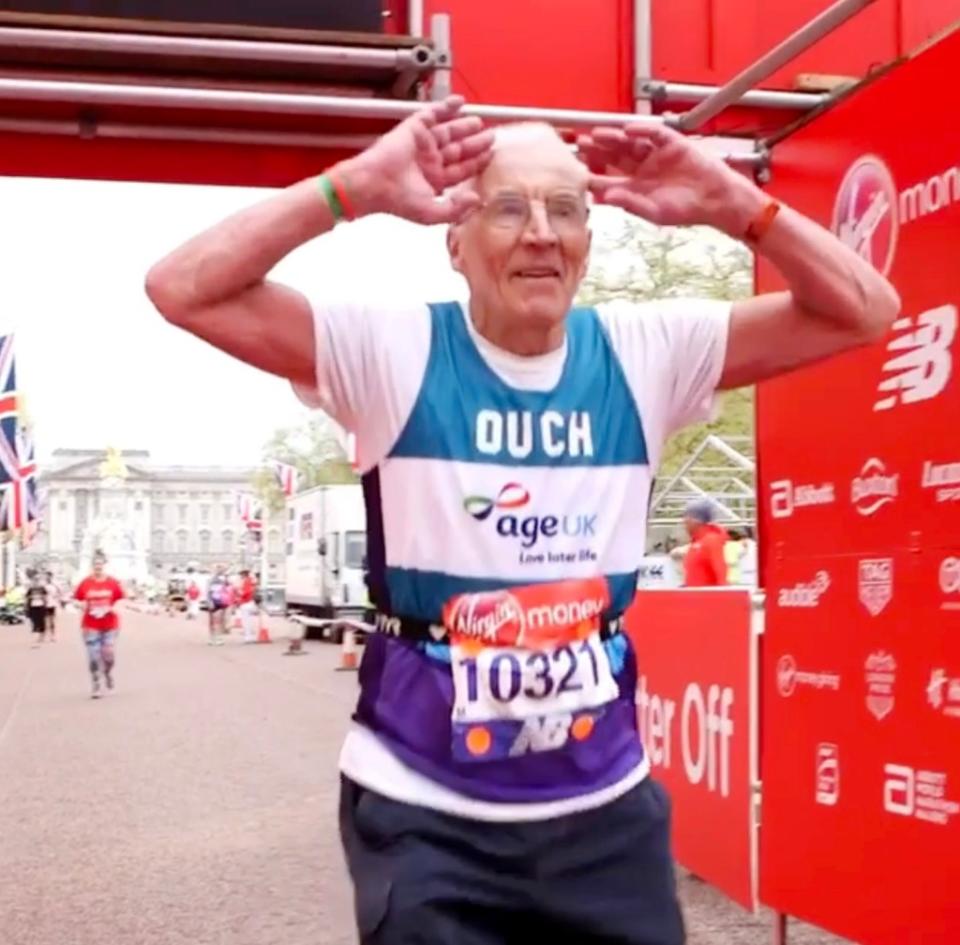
[149, 518]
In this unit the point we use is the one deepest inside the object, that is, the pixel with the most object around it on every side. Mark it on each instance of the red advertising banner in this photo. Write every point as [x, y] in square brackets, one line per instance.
[860, 519]
[696, 708]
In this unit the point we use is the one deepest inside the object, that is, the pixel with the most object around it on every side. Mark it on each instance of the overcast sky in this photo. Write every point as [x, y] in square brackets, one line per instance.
[99, 367]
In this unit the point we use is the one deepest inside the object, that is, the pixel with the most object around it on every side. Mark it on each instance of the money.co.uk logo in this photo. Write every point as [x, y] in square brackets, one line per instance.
[529, 529]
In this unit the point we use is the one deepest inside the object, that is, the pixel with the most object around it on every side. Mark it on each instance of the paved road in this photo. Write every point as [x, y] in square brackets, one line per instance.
[197, 803]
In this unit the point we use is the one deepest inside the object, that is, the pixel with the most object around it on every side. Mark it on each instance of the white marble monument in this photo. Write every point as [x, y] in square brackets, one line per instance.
[120, 529]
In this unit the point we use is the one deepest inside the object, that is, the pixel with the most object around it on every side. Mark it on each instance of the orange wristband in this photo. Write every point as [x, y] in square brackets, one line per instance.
[762, 222]
[345, 203]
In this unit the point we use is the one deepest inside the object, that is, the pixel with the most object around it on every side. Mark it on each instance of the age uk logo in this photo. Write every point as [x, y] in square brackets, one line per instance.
[511, 496]
[528, 529]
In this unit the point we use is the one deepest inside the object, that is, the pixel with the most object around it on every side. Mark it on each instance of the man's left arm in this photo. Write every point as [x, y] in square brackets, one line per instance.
[834, 300]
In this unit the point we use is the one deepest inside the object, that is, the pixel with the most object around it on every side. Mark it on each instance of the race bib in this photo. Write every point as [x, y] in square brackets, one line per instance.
[530, 671]
[100, 610]
[37, 602]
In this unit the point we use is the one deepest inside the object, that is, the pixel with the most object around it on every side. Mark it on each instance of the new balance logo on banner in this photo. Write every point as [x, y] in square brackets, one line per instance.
[921, 362]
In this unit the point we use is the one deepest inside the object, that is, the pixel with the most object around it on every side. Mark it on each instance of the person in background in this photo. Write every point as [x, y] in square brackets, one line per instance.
[218, 598]
[704, 564]
[749, 573]
[98, 594]
[53, 598]
[246, 605]
[193, 599]
[37, 599]
[733, 555]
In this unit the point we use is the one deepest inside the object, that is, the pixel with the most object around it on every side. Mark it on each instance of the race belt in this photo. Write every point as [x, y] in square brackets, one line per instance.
[520, 616]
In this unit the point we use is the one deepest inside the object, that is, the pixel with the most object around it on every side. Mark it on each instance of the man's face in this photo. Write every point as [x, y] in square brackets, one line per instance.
[525, 251]
[98, 567]
[691, 525]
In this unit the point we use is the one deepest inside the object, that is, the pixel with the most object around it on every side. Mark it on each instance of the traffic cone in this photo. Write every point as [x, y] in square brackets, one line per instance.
[264, 635]
[348, 652]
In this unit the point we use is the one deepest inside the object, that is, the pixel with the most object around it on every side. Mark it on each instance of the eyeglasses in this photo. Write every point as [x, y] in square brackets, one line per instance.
[566, 214]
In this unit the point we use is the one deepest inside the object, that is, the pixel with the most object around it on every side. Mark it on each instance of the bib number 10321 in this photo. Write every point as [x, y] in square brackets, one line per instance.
[514, 683]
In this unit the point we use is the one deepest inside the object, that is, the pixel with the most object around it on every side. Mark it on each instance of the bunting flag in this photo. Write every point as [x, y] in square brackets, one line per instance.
[287, 477]
[250, 510]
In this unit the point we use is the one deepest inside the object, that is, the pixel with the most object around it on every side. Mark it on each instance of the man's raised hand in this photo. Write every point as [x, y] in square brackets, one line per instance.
[655, 172]
[409, 170]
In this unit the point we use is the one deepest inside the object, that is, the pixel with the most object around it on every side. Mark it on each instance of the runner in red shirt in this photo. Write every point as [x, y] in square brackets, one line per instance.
[99, 595]
[247, 606]
[704, 564]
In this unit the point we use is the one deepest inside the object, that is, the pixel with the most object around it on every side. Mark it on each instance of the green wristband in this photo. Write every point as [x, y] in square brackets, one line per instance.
[333, 200]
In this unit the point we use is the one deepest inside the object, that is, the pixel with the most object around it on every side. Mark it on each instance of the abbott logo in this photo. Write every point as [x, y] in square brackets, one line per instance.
[912, 792]
[785, 497]
[874, 487]
[899, 790]
[865, 212]
[920, 361]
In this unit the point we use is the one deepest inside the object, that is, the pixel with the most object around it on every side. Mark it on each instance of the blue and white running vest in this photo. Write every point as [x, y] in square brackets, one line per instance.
[491, 487]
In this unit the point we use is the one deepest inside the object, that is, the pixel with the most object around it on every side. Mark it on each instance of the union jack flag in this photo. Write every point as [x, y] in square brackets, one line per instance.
[287, 476]
[20, 504]
[9, 421]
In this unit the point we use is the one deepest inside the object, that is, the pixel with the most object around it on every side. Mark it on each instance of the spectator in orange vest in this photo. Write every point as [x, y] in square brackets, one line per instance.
[704, 564]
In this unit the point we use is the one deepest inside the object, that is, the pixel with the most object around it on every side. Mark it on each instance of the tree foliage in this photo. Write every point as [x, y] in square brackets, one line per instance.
[314, 447]
[635, 260]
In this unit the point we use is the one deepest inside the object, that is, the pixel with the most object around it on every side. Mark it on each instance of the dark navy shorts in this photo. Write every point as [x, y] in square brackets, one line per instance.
[426, 878]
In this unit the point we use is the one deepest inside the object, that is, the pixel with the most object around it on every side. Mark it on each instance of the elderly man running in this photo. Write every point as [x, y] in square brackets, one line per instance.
[494, 786]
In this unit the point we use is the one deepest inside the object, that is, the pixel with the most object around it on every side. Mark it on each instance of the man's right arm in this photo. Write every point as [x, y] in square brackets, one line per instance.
[215, 286]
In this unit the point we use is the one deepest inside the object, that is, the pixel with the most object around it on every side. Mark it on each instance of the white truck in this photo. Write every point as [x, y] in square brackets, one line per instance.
[326, 554]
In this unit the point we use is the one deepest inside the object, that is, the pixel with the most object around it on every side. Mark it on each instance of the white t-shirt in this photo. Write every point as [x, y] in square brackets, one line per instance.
[371, 362]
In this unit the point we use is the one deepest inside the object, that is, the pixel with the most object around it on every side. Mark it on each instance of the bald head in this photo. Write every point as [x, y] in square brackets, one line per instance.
[533, 150]
[525, 251]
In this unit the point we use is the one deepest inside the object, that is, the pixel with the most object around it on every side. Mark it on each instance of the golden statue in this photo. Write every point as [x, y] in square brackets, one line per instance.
[113, 467]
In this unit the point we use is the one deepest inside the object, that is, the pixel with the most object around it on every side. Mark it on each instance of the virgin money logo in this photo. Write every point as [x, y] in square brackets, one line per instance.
[489, 616]
[865, 212]
[874, 487]
[790, 676]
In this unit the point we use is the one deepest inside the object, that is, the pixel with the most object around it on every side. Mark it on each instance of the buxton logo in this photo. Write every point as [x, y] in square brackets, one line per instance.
[865, 212]
[528, 528]
[874, 487]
